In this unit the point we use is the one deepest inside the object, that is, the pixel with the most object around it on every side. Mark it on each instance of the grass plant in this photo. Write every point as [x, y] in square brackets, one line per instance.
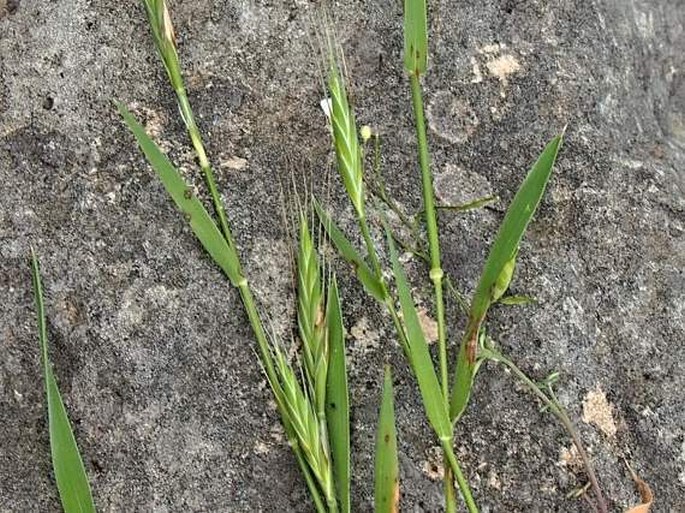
[304, 390]
[311, 392]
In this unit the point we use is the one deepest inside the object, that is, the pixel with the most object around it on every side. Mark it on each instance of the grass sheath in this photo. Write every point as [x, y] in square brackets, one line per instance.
[70, 475]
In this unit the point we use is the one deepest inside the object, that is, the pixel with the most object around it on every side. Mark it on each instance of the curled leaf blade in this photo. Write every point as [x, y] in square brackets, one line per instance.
[415, 36]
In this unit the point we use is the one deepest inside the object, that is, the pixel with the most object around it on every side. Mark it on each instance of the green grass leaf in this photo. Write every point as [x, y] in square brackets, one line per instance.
[337, 399]
[72, 482]
[387, 478]
[415, 36]
[419, 355]
[347, 251]
[504, 248]
[200, 221]
[514, 225]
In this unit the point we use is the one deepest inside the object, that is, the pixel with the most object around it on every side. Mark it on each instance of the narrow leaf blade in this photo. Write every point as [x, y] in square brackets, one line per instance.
[337, 399]
[346, 249]
[415, 36]
[200, 221]
[419, 355]
[514, 225]
[387, 478]
[506, 244]
[72, 482]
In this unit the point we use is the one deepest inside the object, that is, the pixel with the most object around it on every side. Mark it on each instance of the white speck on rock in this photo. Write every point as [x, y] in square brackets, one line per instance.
[503, 66]
[477, 75]
[367, 339]
[491, 48]
[236, 163]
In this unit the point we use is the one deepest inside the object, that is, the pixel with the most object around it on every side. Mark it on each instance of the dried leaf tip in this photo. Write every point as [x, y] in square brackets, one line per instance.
[167, 26]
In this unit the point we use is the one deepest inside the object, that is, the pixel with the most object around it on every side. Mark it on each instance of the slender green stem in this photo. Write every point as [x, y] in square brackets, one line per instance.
[370, 249]
[196, 139]
[436, 272]
[459, 475]
[554, 406]
[309, 479]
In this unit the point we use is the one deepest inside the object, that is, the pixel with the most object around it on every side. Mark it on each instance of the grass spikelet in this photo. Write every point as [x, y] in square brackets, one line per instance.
[298, 407]
[311, 315]
[345, 137]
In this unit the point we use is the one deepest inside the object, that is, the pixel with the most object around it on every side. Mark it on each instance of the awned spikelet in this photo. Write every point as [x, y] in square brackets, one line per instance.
[310, 314]
[345, 139]
[299, 411]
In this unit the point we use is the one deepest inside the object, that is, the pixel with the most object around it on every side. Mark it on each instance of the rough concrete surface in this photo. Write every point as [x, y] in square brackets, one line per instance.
[150, 345]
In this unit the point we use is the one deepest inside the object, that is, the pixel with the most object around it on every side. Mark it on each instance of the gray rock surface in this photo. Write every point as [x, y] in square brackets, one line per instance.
[150, 344]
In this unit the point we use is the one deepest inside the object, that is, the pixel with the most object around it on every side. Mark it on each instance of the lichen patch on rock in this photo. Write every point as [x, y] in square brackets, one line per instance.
[598, 411]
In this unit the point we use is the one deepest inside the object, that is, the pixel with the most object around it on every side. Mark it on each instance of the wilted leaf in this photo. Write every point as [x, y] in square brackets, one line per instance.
[646, 494]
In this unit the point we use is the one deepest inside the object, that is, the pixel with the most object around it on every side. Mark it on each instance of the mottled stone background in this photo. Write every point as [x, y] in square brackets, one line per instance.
[150, 344]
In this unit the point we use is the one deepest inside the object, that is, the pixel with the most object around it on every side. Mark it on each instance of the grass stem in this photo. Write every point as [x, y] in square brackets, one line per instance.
[451, 458]
[205, 166]
[436, 273]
